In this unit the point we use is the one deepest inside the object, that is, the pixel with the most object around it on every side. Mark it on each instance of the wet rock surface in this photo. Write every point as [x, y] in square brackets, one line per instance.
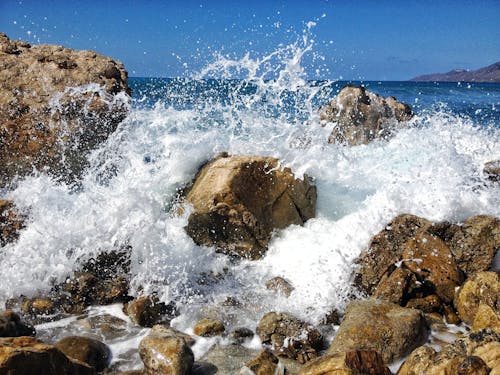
[52, 112]
[11, 325]
[11, 222]
[87, 350]
[361, 116]
[209, 327]
[239, 201]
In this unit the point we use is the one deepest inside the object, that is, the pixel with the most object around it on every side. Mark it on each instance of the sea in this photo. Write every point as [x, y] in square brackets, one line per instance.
[432, 168]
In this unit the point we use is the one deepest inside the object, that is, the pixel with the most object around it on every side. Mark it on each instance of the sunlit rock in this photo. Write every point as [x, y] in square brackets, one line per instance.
[239, 201]
[56, 104]
[87, 350]
[361, 116]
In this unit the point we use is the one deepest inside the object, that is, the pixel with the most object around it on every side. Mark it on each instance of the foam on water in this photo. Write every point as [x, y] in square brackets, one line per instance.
[433, 169]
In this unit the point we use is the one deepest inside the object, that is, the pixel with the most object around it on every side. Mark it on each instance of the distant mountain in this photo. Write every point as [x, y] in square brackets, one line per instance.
[490, 73]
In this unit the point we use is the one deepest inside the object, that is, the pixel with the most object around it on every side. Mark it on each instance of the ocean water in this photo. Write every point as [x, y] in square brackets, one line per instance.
[433, 168]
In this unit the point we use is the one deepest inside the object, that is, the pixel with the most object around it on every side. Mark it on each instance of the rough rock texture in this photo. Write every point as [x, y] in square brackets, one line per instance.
[86, 350]
[52, 111]
[209, 327]
[482, 288]
[477, 353]
[264, 363]
[289, 336]
[238, 201]
[475, 243]
[29, 356]
[486, 318]
[12, 326]
[147, 311]
[492, 170]
[356, 362]
[361, 116]
[280, 286]
[166, 353]
[384, 327]
[11, 222]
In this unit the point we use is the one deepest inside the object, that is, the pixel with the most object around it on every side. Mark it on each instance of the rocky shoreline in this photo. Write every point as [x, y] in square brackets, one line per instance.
[416, 281]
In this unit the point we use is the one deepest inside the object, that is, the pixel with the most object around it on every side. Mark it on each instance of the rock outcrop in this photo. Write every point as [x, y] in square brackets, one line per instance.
[384, 327]
[239, 201]
[361, 116]
[56, 104]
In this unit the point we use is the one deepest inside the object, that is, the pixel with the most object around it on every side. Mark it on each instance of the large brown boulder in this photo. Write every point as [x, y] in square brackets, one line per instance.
[12, 326]
[239, 201]
[384, 327]
[85, 349]
[362, 116]
[29, 356]
[11, 222]
[52, 110]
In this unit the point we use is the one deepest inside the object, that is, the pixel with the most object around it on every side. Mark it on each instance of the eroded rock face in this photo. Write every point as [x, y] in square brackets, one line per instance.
[238, 201]
[362, 116]
[289, 336]
[22, 355]
[11, 222]
[384, 327]
[87, 350]
[52, 111]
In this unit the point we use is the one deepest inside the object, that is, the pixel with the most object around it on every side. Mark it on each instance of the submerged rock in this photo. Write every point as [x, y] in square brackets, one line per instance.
[356, 362]
[27, 355]
[362, 116]
[52, 110]
[11, 222]
[86, 350]
[239, 201]
[289, 336]
[384, 327]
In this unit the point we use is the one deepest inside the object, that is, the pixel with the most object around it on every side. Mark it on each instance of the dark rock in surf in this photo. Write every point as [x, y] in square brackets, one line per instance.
[239, 201]
[11, 222]
[87, 350]
[362, 116]
[384, 327]
[492, 170]
[147, 311]
[52, 112]
[12, 326]
[280, 286]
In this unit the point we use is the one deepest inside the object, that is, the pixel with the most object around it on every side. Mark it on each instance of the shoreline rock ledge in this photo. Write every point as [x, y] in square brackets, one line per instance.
[56, 105]
[239, 201]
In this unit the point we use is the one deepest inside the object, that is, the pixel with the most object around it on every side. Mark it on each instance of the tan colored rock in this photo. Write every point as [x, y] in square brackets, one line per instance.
[486, 318]
[289, 336]
[28, 356]
[362, 116]
[280, 285]
[209, 327]
[432, 262]
[264, 363]
[481, 288]
[87, 350]
[349, 363]
[147, 311]
[165, 353]
[475, 243]
[395, 287]
[12, 326]
[39, 306]
[51, 110]
[239, 201]
[384, 327]
[11, 222]
[386, 249]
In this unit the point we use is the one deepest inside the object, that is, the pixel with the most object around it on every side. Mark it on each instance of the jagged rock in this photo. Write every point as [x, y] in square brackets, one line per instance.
[12, 326]
[147, 311]
[264, 363]
[492, 170]
[29, 356]
[86, 350]
[475, 243]
[362, 116]
[11, 221]
[52, 112]
[384, 327]
[280, 285]
[239, 201]
[356, 362]
[477, 353]
[165, 353]
[209, 327]
[289, 336]
[481, 288]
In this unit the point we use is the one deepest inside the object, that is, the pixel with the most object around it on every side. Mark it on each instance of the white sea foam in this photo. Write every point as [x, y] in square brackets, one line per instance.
[433, 169]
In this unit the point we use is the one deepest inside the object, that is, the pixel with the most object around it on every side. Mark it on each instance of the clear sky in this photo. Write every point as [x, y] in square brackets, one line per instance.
[369, 40]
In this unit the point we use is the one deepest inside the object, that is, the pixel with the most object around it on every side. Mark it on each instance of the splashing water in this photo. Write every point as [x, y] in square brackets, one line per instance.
[433, 169]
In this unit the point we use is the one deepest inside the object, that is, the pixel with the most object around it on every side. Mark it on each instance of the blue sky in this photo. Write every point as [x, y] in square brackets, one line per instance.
[369, 40]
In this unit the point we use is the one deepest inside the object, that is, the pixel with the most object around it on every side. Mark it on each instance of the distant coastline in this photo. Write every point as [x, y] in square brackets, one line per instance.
[490, 73]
